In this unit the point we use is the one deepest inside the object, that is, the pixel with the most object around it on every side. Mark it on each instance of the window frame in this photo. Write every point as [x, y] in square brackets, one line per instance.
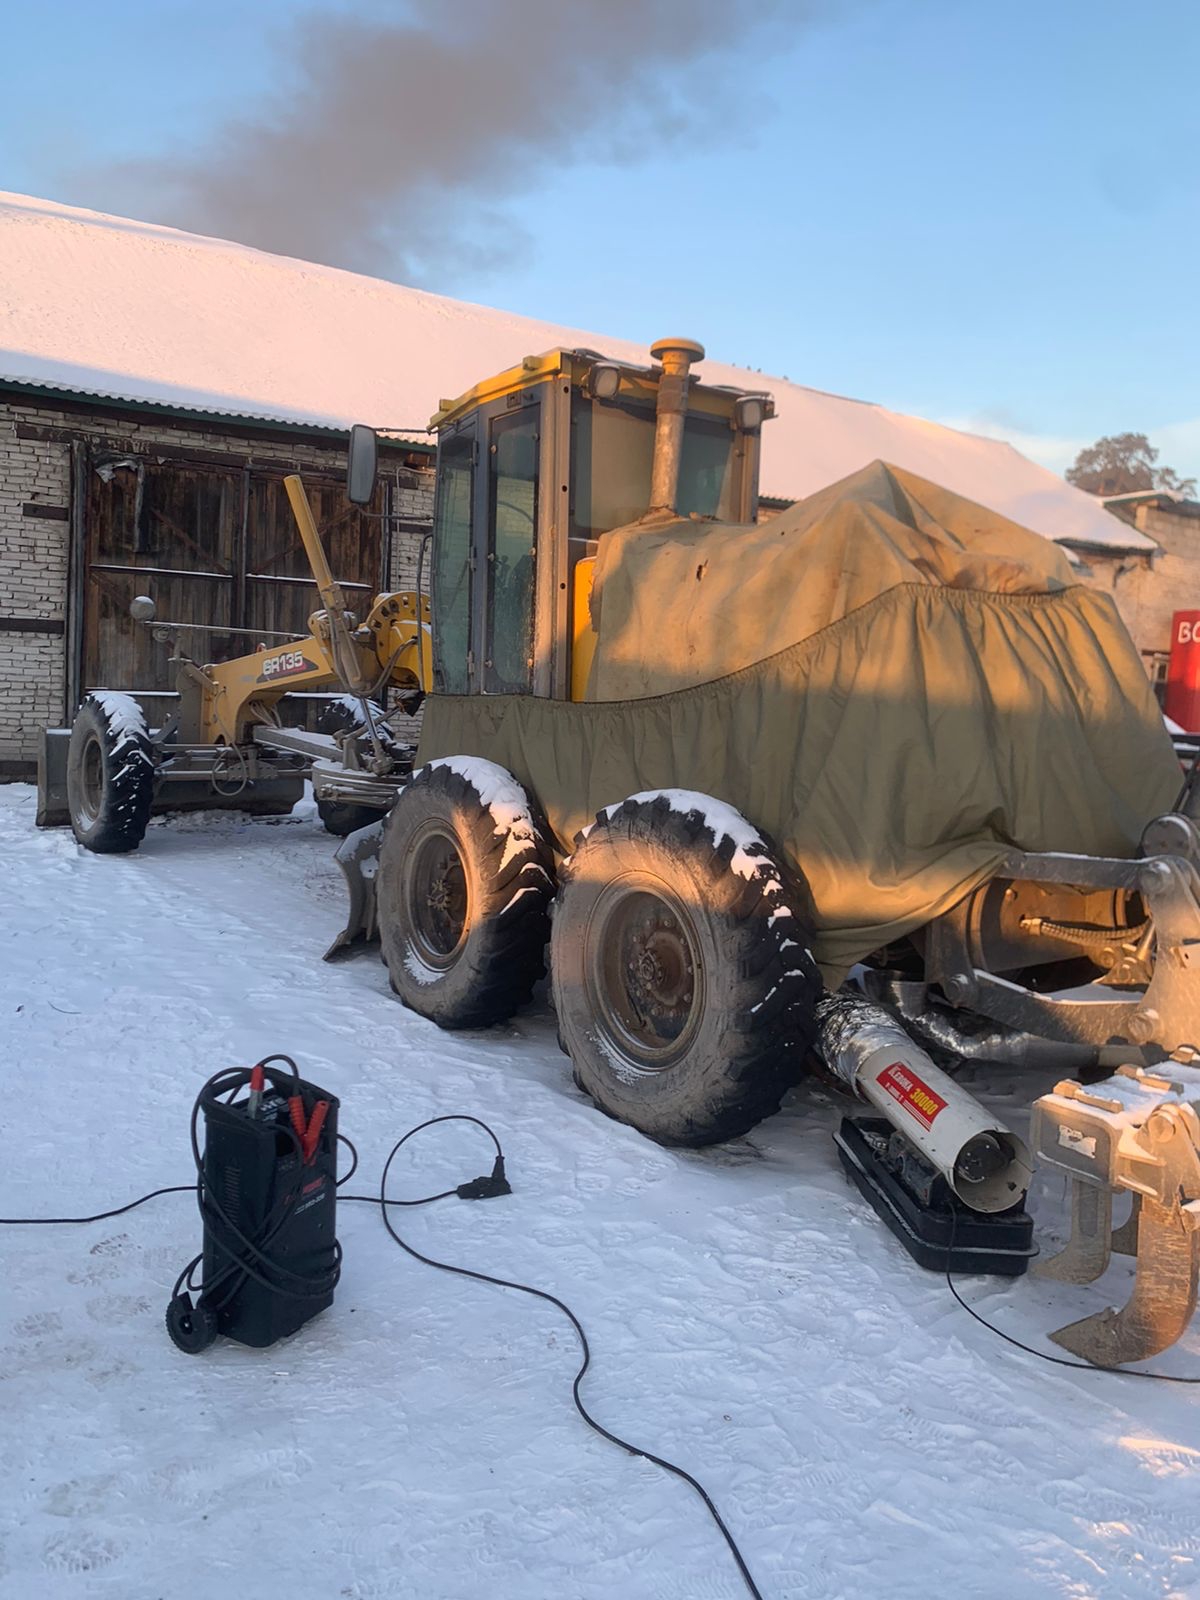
[452, 441]
[528, 416]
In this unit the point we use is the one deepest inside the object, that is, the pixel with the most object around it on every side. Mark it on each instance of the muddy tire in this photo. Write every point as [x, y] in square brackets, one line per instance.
[342, 817]
[684, 987]
[464, 890]
[110, 774]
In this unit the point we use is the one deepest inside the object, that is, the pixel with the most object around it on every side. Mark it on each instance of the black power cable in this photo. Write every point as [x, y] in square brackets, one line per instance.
[481, 1188]
[190, 1188]
[100, 1216]
[1044, 1355]
[544, 1294]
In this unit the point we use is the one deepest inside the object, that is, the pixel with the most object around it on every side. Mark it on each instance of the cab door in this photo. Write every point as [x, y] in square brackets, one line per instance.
[509, 554]
[452, 587]
[485, 549]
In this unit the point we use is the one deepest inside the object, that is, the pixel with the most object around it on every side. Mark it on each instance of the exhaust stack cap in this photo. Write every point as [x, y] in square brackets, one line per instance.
[684, 352]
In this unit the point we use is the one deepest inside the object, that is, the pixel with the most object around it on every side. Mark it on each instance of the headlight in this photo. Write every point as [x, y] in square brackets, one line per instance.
[603, 380]
[750, 412]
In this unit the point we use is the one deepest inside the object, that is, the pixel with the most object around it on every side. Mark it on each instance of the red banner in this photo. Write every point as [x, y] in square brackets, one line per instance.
[1182, 699]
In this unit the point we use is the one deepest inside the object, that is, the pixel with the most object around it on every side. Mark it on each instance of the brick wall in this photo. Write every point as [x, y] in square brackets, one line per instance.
[33, 588]
[1149, 587]
[1150, 592]
[36, 473]
[412, 513]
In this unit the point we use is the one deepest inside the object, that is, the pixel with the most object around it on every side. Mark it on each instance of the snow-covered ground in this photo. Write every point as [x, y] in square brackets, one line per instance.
[749, 1317]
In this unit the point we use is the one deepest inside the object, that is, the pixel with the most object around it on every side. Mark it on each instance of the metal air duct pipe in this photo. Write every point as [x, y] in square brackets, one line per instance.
[942, 1031]
[676, 356]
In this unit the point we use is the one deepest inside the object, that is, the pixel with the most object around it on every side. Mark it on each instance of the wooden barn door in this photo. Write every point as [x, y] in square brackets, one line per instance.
[278, 592]
[212, 545]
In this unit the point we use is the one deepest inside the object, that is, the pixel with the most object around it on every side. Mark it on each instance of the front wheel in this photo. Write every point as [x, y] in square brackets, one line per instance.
[463, 891]
[346, 715]
[682, 977]
[110, 773]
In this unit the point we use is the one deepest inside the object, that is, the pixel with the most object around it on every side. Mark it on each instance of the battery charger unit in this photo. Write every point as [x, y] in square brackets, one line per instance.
[267, 1193]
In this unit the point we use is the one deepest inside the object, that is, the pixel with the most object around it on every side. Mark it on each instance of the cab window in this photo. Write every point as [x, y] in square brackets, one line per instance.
[512, 524]
[450, 599]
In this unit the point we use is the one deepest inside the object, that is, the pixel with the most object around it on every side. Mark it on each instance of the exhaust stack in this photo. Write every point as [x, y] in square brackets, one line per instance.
[676, 356]
[982, 1160]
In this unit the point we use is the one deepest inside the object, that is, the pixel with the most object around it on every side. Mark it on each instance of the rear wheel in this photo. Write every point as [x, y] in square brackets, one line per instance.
[110, 773]
[683, 982]
[464, 891]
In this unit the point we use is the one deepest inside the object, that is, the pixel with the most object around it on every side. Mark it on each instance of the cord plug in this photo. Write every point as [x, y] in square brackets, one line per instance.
[488, 1188]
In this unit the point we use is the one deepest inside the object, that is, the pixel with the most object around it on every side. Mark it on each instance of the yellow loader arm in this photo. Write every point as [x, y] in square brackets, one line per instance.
[391, 647]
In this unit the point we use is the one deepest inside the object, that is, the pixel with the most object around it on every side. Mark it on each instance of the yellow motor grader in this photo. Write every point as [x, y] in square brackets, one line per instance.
[872, 783]
[224, 739]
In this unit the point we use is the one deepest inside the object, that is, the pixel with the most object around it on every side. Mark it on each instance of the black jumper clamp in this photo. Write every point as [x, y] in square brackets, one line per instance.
[266, 1186]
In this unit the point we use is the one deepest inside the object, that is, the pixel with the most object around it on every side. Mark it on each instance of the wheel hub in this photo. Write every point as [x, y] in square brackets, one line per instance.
[92, 785]
[660, 966]
[645, 975]
[438, 898]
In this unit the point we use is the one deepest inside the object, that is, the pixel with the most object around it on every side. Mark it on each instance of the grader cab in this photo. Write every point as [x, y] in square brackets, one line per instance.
[716, 765]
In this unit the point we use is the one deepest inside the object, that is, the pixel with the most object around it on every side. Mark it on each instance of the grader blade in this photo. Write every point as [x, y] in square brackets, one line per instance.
[1139, 1132]
[358, 857]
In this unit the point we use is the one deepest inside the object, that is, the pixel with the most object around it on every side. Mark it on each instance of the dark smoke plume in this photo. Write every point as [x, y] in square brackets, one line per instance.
[399, 139]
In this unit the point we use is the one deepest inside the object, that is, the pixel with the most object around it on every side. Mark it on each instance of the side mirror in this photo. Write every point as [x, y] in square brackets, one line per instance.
[361, 465]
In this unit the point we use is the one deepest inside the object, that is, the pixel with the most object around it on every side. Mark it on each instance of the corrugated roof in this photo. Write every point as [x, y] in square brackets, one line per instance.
[198, 412]
[106, 306]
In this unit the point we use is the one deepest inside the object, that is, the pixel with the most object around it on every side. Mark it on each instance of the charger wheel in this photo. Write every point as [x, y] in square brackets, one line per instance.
[464, 886]
[192, 1328]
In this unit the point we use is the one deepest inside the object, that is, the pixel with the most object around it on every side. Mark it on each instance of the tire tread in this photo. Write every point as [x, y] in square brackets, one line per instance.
[509, 954]
[764, 1047]
[129, 789]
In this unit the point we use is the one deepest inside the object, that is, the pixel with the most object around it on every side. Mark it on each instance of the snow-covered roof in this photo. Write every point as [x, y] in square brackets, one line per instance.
[106, 306]
[1132, 496]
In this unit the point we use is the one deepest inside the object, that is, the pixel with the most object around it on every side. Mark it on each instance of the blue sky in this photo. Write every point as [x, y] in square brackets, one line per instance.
[984, 214]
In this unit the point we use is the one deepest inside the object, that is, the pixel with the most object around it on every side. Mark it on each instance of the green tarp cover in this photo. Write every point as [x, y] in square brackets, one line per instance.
[951, 692]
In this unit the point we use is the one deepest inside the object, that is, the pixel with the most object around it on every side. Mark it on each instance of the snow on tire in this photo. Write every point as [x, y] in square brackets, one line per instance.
[110, 773]
[464, 889]
[683, 981]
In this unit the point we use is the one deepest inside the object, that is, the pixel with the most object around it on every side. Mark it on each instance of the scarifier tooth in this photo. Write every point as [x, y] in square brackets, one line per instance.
[1142, 1136]
[1163, 1299]
[1085, 1255]
[1125, 1238]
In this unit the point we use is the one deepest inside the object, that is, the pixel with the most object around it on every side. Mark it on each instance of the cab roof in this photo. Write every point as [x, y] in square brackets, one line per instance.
[638, 384]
